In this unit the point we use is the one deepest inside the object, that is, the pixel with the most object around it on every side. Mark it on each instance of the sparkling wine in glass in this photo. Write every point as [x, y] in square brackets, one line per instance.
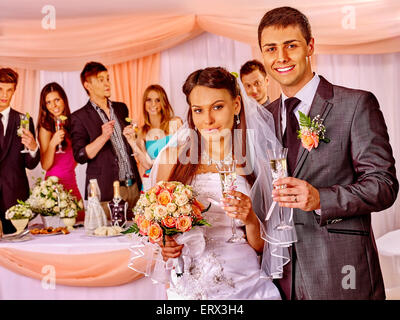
[278, 166]
[227, 175]
[24, 124]
[59, 126]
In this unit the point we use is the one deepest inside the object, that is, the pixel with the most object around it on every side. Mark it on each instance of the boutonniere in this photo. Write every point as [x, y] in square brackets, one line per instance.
[311, 131]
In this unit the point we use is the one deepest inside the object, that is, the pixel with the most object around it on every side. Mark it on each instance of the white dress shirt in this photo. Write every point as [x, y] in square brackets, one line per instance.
[306, 96]
[4, 119]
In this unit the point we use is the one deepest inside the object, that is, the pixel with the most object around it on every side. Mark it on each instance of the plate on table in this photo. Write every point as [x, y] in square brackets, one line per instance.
[50, 231]
[15, 238]
[103, 236]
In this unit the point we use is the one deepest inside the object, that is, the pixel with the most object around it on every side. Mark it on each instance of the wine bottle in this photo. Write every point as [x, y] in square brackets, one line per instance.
[118, 207]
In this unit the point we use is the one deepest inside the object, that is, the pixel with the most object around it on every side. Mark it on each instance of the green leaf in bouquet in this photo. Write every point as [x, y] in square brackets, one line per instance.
[132, 229]
[203, 222]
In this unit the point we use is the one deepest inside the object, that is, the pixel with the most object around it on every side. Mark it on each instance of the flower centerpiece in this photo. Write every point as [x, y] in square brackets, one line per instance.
[49, 199]
[167, 209]
[19, 214]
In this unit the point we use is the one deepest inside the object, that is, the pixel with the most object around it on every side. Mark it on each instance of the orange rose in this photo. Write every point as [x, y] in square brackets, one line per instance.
[144, 227]
[184, 223]
[197, 212]
[138, 219]
[309, 140]
[164, 198]
[155, 233]
[169, 222]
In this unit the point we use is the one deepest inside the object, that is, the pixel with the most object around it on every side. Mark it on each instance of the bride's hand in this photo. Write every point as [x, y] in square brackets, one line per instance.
[171, 249]
[239, 208]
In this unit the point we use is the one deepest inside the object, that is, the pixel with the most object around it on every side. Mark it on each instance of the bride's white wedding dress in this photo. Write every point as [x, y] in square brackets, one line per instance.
[223, 270]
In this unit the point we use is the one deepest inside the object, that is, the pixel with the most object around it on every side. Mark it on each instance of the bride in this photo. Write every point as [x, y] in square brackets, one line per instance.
[223, 270]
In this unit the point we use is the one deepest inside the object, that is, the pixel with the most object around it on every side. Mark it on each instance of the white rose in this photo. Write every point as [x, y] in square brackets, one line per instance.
[44, 191]
[152, 197]
[56, 209]
[148, 213]
[171, 207]
[73, 206]
[63, 196]
[186, 208]
[145, 202]
[188, 192]
[181, 199]
[63, 204]
[160, 212]
[53, 179]
[49, 204]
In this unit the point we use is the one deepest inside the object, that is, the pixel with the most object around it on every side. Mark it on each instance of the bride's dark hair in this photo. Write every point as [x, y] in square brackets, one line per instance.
[214, 78]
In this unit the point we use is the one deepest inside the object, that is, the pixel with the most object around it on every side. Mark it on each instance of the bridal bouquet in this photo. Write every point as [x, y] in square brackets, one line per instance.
[49, 198]
[168, 208]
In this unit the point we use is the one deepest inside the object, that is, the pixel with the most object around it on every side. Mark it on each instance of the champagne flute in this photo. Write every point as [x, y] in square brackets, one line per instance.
[278, 165]
[24, 124]
[135, 128]
[227, 175]
[59, 126]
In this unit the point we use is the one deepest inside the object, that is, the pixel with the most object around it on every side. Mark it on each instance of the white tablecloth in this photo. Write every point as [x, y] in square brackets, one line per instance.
[389, 256]
[16, 286]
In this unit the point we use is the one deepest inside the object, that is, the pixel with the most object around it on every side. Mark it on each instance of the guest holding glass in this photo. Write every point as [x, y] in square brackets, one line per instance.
[54, 127]
[14, 183]
[159, 125]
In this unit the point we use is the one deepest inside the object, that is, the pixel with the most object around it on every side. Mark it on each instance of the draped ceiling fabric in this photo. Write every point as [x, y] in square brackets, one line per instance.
[126, 30]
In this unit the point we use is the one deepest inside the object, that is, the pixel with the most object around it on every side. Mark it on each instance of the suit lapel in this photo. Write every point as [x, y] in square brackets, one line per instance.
[320, 106]
[10, 132]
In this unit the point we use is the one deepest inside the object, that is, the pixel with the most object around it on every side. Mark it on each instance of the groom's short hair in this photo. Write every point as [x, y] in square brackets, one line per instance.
[283, 17]
[8, 75]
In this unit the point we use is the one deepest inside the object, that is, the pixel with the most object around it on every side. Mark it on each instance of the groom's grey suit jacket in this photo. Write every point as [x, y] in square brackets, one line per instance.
[336, 255]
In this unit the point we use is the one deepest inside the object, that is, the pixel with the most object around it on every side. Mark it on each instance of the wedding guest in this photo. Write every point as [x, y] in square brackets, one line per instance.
[224, 270]
[54, 105]
[14, 183]
[159, 125]
[97, 139]
[334, 184]
[255, 81]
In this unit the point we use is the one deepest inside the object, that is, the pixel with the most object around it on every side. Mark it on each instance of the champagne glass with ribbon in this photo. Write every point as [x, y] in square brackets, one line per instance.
[278, 167]
[228, 177]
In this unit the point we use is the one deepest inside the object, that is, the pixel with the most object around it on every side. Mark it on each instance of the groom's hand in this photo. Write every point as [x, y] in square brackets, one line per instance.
[295, 193]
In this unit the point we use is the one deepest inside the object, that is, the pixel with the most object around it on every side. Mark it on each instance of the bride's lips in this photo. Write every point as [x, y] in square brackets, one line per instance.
[211, 130]
[283, 70]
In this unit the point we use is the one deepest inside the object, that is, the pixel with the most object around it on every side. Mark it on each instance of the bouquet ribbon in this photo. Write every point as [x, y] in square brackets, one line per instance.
[194, 245]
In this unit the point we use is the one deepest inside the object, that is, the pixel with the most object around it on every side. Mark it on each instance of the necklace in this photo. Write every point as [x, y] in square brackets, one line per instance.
[205, 158]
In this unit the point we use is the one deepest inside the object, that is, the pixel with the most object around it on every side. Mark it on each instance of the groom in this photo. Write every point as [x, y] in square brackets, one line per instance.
[333, 186]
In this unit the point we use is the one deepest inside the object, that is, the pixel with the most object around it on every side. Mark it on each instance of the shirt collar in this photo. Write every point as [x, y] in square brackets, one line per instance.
[6, 113]
[307, 93]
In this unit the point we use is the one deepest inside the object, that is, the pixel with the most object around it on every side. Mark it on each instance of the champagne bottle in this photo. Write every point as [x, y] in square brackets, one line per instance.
[118, 207]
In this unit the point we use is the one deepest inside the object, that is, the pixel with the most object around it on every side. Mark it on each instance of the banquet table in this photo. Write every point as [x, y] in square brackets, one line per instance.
[74, 266]
[389, 257]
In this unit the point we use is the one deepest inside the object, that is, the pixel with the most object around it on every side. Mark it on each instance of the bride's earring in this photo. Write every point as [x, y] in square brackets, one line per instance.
[237, 119]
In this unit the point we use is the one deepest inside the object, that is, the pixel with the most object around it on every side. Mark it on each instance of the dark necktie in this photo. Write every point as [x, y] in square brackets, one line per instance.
[1, 132]
[290, 139]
